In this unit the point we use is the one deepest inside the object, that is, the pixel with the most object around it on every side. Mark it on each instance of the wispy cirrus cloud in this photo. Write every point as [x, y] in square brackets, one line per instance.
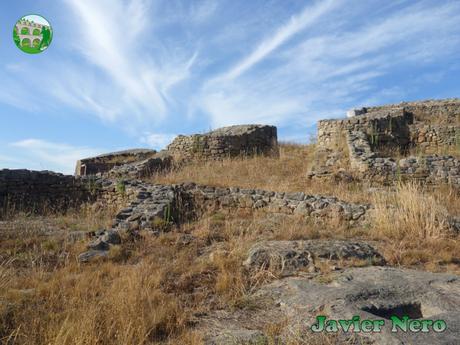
[339, 62]
[297, 23]
[113, 64]
[118, 39]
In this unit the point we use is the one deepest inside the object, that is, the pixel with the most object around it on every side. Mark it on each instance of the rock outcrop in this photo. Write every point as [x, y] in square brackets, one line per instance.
[374, 293]
[291, 257]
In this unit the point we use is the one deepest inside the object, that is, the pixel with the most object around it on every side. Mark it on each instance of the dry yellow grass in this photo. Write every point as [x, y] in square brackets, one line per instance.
[285, 174]
[409, 212]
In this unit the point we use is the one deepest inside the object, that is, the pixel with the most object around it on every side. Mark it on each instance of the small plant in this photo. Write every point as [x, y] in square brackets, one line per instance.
[50, 245]
[163, 224]
[457, 142]
[92, 186]
[374, 136]
[423, 162]
[198, 145]
[167, 216]
[121, 187]
[398, 172]
[160, 224]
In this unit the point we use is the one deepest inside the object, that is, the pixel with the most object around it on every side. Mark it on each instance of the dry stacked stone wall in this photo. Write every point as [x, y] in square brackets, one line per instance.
[384, 128]
[232, 141]
[242, 140]
[155, 208]
[161, 161]
[432, 137]
[372, 137]
[442, 112]
[43, 191]
[425, 124]
[155, 205]
[104, 163]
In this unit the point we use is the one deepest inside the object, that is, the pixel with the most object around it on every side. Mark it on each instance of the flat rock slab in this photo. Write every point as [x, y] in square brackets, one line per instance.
[290, 257]
[92, 254]
[375, 293]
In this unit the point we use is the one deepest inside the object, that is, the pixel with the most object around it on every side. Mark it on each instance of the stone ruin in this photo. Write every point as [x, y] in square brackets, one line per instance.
[106, 162]
[367, 142]
[146, 206]
[225, 142]
[232, 141]
[364, 141]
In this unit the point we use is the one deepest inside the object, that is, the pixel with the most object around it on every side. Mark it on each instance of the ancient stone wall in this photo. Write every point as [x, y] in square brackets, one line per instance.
[430, 138]
[226, 142]
[142, 204]
[373, 135]
[156, 208]
[156, 204]
[232, 141]
[431, 169]
[428, 125]
[441, 112]
[106, 162]
[387, 127]
[161, 161]
[42, 191]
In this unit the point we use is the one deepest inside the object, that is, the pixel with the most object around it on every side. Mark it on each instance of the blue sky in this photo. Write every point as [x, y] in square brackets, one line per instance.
[133, 73]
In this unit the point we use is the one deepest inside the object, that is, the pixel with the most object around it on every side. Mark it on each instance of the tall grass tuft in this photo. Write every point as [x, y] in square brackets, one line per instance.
[409, 212]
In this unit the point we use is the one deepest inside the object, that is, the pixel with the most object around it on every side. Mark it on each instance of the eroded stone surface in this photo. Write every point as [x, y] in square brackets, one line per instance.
[238, 336]
[290, 257]
[92, 254]
[373, 293]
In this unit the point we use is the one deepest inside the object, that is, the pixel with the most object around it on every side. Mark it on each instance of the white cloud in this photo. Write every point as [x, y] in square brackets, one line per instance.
[331, 67]
[112, 65]
[42, 154]
[110, 38]
[157, 141]
[307, 17]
